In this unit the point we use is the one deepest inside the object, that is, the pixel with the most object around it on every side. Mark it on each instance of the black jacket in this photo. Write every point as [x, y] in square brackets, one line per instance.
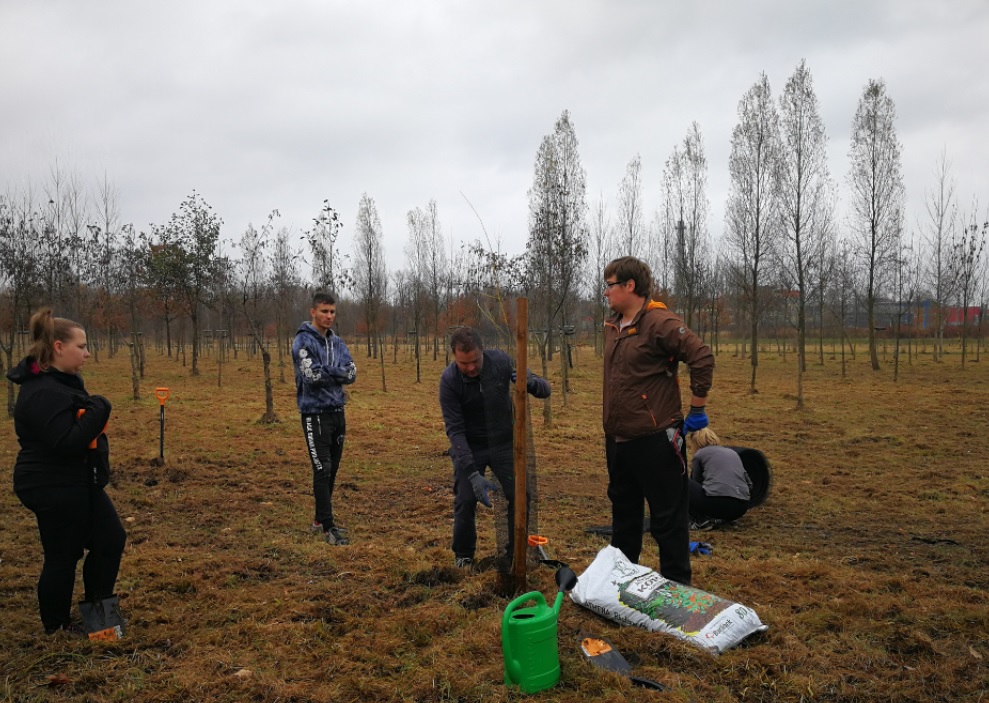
[478, 412]
[54, 439]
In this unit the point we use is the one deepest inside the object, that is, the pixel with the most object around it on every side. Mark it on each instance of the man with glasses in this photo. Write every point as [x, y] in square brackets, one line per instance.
[643, 417]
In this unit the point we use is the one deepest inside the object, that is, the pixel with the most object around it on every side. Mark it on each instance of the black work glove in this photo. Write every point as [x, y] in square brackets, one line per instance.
[482, 488]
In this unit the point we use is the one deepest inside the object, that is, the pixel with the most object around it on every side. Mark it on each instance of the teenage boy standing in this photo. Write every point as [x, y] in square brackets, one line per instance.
[323, 366]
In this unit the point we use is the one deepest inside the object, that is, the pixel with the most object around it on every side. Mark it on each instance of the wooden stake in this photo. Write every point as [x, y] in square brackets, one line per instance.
[521, 505]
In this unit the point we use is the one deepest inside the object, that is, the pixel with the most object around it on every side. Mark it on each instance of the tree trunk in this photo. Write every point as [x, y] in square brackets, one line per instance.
[381, 359]
[269, 416]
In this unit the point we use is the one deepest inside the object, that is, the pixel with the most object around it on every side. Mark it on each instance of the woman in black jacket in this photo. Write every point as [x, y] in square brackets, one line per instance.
[62, 468]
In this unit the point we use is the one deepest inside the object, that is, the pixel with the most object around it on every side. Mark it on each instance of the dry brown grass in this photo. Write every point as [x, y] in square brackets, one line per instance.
[868, 562]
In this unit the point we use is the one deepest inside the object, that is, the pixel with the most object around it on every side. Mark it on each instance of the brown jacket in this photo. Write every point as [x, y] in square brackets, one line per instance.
[641, 390]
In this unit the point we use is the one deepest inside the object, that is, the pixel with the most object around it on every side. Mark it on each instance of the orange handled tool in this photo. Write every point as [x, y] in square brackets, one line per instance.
[537, 542]
[80, 413]
[161, 394]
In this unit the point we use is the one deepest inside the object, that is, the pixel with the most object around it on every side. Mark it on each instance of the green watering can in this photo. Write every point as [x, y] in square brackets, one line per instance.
[528, 638]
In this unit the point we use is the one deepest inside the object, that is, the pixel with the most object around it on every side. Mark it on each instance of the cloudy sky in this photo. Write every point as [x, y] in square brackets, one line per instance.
[263, 105]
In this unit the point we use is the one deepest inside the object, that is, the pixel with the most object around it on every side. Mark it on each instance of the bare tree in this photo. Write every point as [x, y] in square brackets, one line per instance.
[557, 244]
[284, 282]
[54, 267]
[967, 259]
[370, 275]
[805, 195]
[628, 232]
[102, 245]
[939, 228]
[254, 278]
[876, 181]
[427, 259]
[191, 236]
[412, 283]
[130, 269]
[164, 276]
[322, 238]
[751, 218]
[601, 240]
[686, 212]
[19, 268]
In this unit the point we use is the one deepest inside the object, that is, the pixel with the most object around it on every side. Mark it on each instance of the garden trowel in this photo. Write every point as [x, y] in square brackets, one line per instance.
[601, 653]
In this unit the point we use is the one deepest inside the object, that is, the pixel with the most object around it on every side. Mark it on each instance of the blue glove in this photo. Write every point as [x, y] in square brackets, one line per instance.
[702, 548]
[482, 488]
[696, 419]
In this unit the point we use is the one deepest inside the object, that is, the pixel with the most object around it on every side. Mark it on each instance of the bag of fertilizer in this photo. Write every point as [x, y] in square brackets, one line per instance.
[631, 594]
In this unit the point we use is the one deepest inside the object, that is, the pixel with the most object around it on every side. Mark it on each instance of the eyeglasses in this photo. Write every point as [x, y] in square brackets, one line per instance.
[613, 283]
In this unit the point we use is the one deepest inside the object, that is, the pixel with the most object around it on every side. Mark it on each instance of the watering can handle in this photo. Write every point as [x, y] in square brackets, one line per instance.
[506, 641]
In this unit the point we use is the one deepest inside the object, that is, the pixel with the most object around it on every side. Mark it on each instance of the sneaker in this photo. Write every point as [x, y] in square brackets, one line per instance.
[316, 527]
[702, 524]
[333, 536]
[464, 562]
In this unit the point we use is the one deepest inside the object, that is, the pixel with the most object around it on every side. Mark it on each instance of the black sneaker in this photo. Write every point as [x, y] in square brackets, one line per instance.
[464, 562]
[333, 536]
[702, 524]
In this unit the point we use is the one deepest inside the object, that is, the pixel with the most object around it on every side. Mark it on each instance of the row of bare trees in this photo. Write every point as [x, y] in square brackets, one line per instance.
[788, 264]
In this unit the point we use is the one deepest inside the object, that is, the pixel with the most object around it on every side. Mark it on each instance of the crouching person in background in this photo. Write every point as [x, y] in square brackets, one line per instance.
[720, 489]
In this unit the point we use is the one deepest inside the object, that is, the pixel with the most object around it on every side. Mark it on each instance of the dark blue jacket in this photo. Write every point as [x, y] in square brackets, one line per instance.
[478, 412]
[323, 366]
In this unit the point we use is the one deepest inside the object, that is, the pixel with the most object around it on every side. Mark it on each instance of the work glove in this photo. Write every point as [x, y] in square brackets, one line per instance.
[528, 377]
[696, 419]
[702, 548]
[482, 488]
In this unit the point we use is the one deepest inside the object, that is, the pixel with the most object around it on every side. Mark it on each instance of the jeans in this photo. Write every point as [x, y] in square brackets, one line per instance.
[649, 470]
[72, 519]
[324, 433]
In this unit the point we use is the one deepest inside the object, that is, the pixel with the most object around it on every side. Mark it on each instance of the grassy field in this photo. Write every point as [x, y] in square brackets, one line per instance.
[868, 562]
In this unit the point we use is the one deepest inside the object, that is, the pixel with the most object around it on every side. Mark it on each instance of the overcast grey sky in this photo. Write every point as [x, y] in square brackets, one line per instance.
[262, 105]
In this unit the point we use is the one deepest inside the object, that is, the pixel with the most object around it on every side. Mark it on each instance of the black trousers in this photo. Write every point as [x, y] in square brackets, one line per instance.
[501, 460]
[324, 433]
[71, 520]
[649, 470]
[703, 506]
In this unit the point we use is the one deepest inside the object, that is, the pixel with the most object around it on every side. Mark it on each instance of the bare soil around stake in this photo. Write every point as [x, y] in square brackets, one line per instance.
[868, 560]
